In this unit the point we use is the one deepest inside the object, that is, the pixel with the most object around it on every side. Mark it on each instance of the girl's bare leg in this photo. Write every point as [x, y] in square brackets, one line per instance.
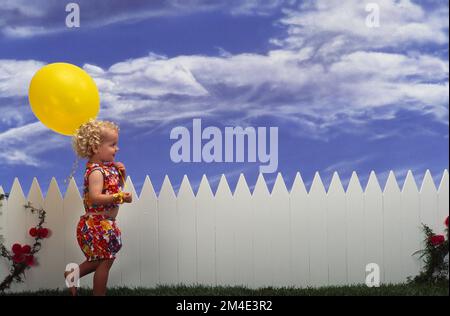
[101, 277]
[85, 268]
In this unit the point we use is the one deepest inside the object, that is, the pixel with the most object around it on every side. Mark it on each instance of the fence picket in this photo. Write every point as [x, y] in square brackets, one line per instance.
[393, 231]
[225, 240]
[356, 261]
[262, 258]
[37, 200]
[51, 256]
[187, 246]
[373, 224]
[337, 233]
[206, 242]
[168, 235]
[128, 222]
[243, 233]
[317, 224]
[429, 203]
[412, 230]
[299, 233]
[149, 230]
[280, 234]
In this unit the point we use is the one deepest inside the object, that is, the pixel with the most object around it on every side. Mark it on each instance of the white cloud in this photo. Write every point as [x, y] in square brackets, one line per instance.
[22, 145]
[154, 77]
[11, 115]
[15, 76]
[401, 22]
[18, 157]
[391, 66]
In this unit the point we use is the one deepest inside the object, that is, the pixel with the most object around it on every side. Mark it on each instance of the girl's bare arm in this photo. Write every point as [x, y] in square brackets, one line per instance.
[96, 188]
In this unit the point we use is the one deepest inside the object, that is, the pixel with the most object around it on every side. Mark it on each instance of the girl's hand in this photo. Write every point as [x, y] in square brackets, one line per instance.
[127, 197]
[121, 167]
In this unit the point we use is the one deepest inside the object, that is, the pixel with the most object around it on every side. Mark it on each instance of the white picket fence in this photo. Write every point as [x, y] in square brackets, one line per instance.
[283, 238]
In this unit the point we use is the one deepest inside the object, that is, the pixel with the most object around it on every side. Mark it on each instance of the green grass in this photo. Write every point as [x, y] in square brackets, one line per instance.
[441, 289]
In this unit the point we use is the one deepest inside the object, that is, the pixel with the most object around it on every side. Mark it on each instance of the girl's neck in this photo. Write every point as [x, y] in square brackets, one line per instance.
[95, 160]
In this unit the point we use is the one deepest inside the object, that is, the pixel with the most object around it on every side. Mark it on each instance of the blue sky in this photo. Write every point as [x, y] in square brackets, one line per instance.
[345, 97]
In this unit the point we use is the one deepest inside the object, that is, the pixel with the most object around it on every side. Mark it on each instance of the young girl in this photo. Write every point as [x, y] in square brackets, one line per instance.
[97, 232]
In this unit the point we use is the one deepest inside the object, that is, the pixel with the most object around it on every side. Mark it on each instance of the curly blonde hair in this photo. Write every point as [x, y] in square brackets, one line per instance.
[89, 136]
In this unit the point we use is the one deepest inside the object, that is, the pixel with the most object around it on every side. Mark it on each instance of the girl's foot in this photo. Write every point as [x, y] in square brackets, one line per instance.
[72, 290]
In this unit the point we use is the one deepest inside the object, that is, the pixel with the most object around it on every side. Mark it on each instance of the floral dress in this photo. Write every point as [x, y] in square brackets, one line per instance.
[98, 236]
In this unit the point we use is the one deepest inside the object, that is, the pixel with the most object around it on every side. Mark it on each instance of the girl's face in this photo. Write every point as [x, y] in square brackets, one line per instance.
[109, 146]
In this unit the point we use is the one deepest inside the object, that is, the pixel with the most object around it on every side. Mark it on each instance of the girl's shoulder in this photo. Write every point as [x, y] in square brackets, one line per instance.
[104, 168]
[92, 166]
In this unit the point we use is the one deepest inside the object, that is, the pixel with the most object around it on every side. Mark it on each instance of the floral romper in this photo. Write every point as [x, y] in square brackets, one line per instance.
[98, 235]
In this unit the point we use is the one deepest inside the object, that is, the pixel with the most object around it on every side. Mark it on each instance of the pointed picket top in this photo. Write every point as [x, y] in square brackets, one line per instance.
[443, 185]
[185, 188]
[261, 186]
[35, 194]
[147, 189]
[428, 184]
[204, 188]
[336, 185]
[317, 186]
[16, 190]
[354, 185]
[280, 187]
[129, 187]
[1, 190]
[167, 189]
[53, 190]
[223, 189]
[373, 186]
[391, 184]
[35, 188]
[298, 187]
[410, 185]
[72, 190]
[242, 187]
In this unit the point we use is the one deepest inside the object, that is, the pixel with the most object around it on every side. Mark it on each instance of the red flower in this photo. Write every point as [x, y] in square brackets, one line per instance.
[17, 249]
[26, 249]
[437, 240]
[33, 232]
[446, 222]
[18, 258]
[29, 260]
[43, 232]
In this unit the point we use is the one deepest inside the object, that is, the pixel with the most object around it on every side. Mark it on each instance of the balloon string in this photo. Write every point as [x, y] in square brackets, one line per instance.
[123, 180]
[72, 172]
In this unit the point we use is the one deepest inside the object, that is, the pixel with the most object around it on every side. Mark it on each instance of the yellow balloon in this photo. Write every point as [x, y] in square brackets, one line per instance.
[63, 96]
